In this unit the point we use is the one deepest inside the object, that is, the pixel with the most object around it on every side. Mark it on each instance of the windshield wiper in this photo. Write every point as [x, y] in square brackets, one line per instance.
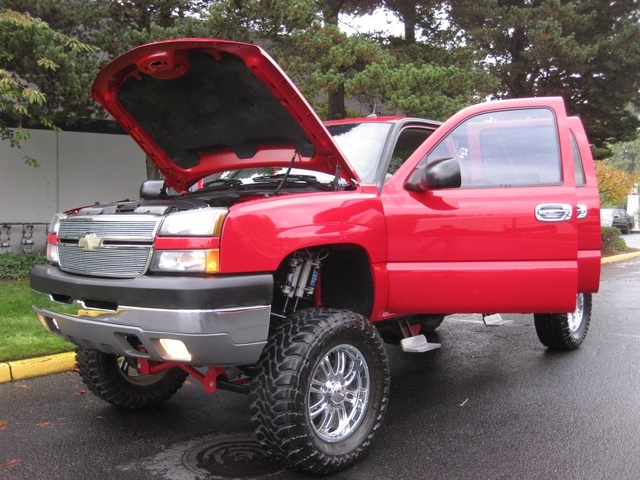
[222, 182]
[292, 178]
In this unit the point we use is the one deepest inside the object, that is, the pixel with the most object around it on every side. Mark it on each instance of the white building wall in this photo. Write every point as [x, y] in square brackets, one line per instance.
[76, 169]
[633, 206]
[98, 168]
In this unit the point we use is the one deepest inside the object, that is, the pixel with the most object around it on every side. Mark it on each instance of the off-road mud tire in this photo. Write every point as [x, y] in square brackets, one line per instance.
[565, 331]
[115, 380]
[286, 411]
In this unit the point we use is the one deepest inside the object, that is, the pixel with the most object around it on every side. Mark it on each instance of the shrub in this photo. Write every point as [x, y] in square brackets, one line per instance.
[15, 266]
[612, 242]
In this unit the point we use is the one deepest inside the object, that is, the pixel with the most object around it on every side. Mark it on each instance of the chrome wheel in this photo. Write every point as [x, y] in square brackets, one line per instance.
[338, 393]
[574, 319]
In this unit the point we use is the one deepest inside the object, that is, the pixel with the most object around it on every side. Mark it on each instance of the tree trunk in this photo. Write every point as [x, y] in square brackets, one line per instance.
[337, 109]
[409, 19]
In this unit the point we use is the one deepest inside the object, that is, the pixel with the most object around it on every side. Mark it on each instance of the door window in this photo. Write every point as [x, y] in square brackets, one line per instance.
[508, 148]
[408, 141]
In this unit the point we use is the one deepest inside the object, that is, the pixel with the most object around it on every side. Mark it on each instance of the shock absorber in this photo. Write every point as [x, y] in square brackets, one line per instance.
[301, 279]
[307, 281]
[291, 280]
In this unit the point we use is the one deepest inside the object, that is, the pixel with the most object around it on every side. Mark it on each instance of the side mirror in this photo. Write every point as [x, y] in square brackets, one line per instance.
[441, 173]
[155, 189]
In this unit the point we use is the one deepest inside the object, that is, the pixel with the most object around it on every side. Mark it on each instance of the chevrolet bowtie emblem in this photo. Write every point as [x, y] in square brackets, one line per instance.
[90, 242]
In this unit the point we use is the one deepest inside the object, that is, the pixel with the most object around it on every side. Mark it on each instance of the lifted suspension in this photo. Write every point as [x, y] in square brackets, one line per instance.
[213, 379]
[303, 278]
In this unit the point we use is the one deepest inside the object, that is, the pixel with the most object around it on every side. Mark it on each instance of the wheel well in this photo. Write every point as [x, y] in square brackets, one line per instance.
[345, 280]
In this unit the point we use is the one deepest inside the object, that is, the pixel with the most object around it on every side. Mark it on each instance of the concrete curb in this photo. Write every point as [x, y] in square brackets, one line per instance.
[619, 258]
[36, 367]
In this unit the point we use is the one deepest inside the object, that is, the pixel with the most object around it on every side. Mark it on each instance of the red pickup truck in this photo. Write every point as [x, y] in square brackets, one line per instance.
[280, 253]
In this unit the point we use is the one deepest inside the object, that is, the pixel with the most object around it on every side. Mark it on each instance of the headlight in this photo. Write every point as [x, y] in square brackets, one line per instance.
[203, 222]
[185, 261]
[181, 257]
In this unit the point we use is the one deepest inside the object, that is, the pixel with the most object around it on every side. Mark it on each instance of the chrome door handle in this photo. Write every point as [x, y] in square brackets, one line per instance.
[582, 211]
[553, 212]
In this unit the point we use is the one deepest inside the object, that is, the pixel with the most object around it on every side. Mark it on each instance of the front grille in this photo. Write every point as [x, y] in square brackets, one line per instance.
[123, 262]
[124, 249]
[112, 230]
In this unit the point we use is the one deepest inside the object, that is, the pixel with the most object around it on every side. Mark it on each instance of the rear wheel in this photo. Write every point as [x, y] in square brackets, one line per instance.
[565, 331]
[117, 381]
[320, 389]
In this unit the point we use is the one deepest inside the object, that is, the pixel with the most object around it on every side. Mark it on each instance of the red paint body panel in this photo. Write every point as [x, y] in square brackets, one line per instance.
[260, 234]
[506, 287]
[589, 231]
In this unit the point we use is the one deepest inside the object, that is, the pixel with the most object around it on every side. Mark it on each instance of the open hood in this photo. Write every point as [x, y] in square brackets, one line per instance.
[200, 106]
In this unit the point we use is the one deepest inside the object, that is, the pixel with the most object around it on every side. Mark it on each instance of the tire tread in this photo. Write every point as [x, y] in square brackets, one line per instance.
[276, 393]
[553, 328]
[99, 372]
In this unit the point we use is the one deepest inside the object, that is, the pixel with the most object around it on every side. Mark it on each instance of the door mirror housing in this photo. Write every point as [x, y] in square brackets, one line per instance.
[441, 173]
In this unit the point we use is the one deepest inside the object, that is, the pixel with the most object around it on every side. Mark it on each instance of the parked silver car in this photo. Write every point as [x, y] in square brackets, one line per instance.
[616, 217]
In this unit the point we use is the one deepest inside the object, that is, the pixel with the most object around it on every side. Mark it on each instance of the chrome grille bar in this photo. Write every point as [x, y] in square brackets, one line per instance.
[123, 250]
[121, 261]
[110, 227]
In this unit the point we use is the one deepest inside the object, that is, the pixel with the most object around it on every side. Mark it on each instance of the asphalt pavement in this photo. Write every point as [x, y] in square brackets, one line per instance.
[492, 403]
[632, 239]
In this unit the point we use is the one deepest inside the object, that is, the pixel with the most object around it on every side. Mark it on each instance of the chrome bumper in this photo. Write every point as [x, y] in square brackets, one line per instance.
[221, 337]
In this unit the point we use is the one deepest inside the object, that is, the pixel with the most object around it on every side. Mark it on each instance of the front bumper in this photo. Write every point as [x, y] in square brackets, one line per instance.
[222, 320]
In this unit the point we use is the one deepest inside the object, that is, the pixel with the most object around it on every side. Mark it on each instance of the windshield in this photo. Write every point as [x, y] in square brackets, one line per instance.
[362, 144]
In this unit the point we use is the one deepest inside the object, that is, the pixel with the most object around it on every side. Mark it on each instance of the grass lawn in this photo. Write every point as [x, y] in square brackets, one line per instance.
[21, 335]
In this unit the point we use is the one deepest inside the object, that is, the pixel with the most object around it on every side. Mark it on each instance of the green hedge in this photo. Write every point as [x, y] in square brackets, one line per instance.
[612, 242]
[16, 266]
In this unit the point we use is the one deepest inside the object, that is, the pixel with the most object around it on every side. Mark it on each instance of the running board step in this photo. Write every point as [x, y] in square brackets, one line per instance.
[494, 319]
[418, 344]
